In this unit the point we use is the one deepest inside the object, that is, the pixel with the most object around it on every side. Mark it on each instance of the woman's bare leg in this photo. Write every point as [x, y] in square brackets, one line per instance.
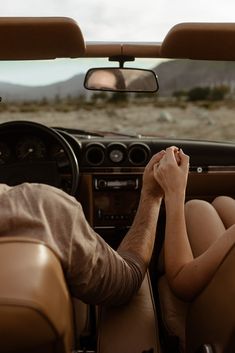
[204, 225]
[225, 206]
[210, 242]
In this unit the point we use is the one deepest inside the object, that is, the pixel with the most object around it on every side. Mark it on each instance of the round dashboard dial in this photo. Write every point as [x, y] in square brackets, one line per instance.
[58, 153]
[4, 153]
[116, 155]
[31, 148]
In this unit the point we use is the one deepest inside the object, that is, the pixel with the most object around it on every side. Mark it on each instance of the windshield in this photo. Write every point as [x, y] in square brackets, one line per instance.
[196, 99]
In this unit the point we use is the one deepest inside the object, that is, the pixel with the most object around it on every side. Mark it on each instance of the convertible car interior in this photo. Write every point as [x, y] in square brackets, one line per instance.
[103, 171]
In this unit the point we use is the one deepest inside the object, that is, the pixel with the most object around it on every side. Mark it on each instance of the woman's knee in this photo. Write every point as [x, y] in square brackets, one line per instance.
[225, 207]
[204, 225]
[195, 206]
[222, 201]
[198, 212]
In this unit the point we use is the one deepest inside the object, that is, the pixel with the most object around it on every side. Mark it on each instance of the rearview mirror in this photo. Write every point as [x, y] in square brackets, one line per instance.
[121, 80]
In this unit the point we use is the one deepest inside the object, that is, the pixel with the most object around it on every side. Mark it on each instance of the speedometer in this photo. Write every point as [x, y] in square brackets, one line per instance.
[30, 147]
[4, 153]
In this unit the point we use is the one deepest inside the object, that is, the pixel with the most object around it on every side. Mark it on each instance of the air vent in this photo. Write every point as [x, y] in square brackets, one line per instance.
[138, 154]
[95, 154]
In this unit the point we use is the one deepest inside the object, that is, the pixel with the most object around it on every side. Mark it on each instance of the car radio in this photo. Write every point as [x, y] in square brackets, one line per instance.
[116, 183]
[116, 199]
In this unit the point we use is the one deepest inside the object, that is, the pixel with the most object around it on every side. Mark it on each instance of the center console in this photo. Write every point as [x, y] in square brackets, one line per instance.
[116, 199]
[113, 199]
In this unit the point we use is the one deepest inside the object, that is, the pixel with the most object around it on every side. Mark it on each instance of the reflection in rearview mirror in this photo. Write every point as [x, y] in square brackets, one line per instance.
[121, 80]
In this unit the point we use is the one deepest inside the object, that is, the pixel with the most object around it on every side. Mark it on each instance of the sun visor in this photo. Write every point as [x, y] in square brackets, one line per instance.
[29, 38]
[200, 41]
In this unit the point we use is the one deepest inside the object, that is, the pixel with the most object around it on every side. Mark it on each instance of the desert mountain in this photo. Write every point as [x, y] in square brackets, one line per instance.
[72, 87]
[177, 75]
[173, 75]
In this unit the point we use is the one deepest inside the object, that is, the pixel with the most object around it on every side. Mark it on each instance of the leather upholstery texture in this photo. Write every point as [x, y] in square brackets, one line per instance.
[131, 328]
[211, 316]
[35, 306]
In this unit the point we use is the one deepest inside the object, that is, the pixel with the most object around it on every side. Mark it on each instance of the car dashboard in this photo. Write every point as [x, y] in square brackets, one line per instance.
[111, 169]
[105, 172]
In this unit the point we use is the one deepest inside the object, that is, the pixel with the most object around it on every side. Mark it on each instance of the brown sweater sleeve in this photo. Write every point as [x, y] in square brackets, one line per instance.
[97, 274]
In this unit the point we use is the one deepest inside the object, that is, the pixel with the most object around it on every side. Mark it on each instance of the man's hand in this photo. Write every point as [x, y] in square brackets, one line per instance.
[151, 186]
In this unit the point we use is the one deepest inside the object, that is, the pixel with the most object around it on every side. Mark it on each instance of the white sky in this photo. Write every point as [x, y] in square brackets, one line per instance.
[129, 20]
[125, 19]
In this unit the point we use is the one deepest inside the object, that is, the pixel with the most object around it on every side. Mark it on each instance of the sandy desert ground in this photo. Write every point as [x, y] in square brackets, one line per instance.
[188, 121]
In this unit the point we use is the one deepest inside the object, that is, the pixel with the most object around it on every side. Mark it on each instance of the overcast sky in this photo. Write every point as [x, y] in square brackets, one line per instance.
[130, 20]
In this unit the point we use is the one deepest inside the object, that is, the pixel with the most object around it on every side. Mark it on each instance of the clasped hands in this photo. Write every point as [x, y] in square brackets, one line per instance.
[166, 173]
[171, 171]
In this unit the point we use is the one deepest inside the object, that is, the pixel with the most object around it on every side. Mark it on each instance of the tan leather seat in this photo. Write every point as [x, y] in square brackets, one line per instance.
[84, 325]
[131, 328]
[35, 306]
[209, 318]
[174, 312]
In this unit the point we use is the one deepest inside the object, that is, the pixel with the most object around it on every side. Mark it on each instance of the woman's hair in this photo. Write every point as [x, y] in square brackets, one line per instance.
[119, 78]
[117, 74]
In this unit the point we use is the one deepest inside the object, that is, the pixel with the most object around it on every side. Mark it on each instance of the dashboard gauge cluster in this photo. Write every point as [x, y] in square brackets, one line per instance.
[5, 153]
[31, 148]
[31, 152]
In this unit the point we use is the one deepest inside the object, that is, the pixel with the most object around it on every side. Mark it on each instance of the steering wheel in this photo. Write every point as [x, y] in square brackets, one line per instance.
[32, 152]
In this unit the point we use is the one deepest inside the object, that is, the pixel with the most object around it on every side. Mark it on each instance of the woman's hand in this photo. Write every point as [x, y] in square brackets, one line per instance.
[171, 172]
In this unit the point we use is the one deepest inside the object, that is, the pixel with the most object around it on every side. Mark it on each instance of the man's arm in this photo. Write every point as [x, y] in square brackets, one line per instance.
[98, 274]
[139, 241]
